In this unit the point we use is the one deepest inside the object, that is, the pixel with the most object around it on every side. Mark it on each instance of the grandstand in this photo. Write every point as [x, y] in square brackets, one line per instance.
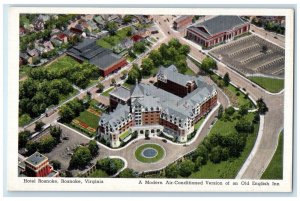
[252, 55]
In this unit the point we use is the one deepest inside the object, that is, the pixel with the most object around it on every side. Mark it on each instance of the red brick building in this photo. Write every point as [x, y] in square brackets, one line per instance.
[37, 165]
[219, 29]
[182, 21]
[103, 58]
[173, 107]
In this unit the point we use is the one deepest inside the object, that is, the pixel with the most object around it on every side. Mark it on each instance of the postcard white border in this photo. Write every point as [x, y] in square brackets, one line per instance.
[15, 183]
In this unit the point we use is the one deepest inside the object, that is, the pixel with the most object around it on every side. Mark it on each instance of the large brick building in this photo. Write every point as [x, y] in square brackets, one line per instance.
[182, 21]
[152, 110]
[37, 165]
[219, 29]
[103, 58]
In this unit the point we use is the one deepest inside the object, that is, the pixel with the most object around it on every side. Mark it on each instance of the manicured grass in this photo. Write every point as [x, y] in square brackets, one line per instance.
[199, 123]
[129, 86]
[270, 84]
[230, 168]
[106, 93]
[124, 135]
[190, 72]
[141, 158]
[111, 41]
[237, 100]
[62, 63]
[275, 168]
[236, 97]
[98, 174]
[89, 118]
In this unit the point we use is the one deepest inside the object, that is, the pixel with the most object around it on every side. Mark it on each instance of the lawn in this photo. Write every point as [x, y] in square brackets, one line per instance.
[275, 168]
[128, 86]
[62, 63]
[270, 84]
[98, 174]
[106, 93]
[235, 99]
[159, 156]
[124, 135]
[90, 119]
[111, 41]
[190, 72]
[87, 122]
[230, 168]
[24, 120]
[199, 123]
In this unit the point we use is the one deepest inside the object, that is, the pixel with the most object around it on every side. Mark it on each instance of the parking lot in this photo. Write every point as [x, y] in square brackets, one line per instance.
[64, 150]
[252, 55]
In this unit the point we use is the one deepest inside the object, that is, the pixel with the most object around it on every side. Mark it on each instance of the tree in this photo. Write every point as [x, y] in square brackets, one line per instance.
[128, 173]
[111, 27]
[243, 110]
[56, 164]
[139, 47]
[256, 118]
[93, 147]
[66, 114]
[81, 157]
[134, 74]
[100, 87]
[174, 43]
[56, 131]
[220, 112]
[229, 111]
[103, 164]
[127, 19]
[46, 144]
[208, 64]
[172, 171]
[215, 155]
[226, 79]
[184, 49]
[38, 126]
[32, 147]
[186, 168]
[156, 57]
[23, 138]
[203, 153]
[244, 126]
[262, 107]
[147, 66]
[54, 96]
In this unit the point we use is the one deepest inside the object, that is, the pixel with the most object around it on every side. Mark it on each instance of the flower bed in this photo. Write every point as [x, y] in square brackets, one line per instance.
[93, 111]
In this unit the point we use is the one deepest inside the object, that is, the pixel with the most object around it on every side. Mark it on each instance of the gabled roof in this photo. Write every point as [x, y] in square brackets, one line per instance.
[121, 93]
[171, 73]
[137, 91]
[218, 24]
[89, 50]
[118, 115]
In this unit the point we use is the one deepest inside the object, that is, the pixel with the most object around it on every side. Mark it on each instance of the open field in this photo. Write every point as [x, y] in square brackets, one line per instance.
[270, 84]
[275, 168]
[110, 41]
[227, 169]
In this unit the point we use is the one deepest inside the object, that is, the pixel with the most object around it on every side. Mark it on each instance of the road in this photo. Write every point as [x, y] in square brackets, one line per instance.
[272, 126]
[273, 121]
